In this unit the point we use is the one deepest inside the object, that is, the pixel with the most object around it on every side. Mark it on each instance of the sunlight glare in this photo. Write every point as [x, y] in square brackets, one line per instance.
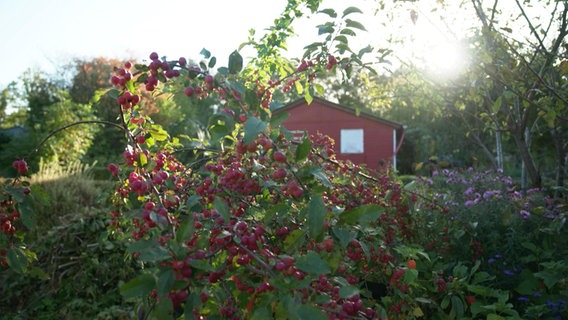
[445, 60]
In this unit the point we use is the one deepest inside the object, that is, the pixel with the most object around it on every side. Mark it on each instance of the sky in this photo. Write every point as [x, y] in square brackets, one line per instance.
[42, 34]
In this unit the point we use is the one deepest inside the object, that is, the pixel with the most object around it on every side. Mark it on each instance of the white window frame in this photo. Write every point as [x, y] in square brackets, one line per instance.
[352, 141]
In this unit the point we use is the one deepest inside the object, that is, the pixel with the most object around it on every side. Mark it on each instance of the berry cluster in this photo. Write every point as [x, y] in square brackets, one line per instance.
[123, 75]
[21, 166]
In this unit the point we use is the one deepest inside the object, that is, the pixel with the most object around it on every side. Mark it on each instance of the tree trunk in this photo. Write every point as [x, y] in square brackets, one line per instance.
[560, 146]
[499, 147]
[526, 157]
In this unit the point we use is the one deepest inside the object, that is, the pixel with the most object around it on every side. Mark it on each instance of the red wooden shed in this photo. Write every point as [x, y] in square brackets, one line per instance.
[362, 138]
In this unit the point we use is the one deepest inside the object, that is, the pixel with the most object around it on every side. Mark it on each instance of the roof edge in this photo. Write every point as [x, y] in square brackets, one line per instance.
[344, 108]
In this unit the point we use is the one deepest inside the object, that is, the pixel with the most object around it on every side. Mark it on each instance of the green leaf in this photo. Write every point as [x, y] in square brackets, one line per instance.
[212, 62]
[303, 150]
[185, 230]
[155, 254]
[342, 39]
[410, 275]
[330, 12]
[278, 119]
[312, 263]
[343, 235]
[342, 47]
[348, 32]
[351, 10]
[235, 62]
[140, 67]
[142, 159]
[316, 217]
[163, 309]
[253, 127]
[354, 24]
[149, 250]
[294, 240]
[493, 316]
[166, 280]
[367, 49]
[325, 28]
[348, 292]
[363, 214]
[550, 278]
[202, 265]
[497, 105]
[306, 311]
[221, 206]
[319, 175]
[140, 286]
[205, 53]
[17, 260]
[299, 88]
[261, 313]
[38, 273]
[158, 133]
[308, 97]
[564, 67]
[192, 302]
[25, 208]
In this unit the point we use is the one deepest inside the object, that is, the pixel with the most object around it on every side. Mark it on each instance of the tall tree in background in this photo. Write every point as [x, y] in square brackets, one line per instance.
[526, 73]
[516, 84]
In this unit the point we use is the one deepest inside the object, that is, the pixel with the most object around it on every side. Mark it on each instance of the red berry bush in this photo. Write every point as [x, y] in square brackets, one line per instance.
[258, 223]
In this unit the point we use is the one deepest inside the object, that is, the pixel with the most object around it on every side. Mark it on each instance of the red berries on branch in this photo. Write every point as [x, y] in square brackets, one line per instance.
[21, 166]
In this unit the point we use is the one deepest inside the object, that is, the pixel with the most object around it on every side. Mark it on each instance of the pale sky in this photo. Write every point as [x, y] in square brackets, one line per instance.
[45, 34]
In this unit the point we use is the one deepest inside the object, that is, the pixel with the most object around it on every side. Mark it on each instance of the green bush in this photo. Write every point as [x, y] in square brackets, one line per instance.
[79, 267]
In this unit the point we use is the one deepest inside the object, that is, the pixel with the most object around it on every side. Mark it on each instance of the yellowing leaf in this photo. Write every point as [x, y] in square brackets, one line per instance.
[417, 312]
[564, 67]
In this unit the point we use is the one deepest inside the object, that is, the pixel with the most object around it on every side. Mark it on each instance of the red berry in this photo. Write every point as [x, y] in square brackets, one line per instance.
[153, 56]
[279, 174]
[411, 264]
[279, 156]
[189, 91]
[113, 168]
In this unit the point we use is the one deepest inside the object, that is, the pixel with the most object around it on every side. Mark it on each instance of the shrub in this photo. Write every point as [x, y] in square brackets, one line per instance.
[519, 239]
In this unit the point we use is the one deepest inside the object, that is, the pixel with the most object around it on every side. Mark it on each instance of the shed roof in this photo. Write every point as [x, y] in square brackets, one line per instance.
[343, 108]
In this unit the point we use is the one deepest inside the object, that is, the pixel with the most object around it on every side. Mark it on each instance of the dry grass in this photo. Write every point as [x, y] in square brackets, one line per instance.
[59, 191]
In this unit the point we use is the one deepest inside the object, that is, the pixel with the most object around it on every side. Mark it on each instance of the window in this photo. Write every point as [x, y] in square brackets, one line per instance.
[351, 141]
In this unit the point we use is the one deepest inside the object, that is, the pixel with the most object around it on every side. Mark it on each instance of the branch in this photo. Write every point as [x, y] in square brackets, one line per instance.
[108, 123]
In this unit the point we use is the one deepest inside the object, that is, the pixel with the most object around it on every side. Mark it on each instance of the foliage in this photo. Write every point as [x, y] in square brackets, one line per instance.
[515, 240]
[77, 264]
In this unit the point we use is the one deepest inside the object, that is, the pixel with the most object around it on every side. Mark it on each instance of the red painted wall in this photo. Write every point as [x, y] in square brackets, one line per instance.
[323, 117]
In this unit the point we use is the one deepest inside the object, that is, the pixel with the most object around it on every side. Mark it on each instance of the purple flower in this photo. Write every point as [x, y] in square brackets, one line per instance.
[469, 191]
[508, 272]
[524, 299]
[469, 203]
[490, 260]
[525, 214]
[435, 173]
